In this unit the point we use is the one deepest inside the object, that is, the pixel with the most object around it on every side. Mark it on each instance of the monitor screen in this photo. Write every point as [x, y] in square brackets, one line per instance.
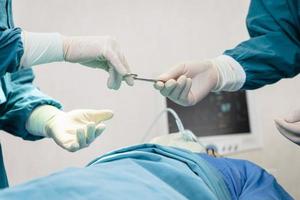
[218, 114]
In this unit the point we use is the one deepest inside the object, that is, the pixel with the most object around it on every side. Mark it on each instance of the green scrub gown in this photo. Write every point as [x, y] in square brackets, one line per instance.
[273, 50]
[18, 97]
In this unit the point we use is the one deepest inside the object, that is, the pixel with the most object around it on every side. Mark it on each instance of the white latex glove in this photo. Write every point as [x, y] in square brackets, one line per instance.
[99, 52]
[290, 126]
[188, 83]
[96, 52]
[72, 130]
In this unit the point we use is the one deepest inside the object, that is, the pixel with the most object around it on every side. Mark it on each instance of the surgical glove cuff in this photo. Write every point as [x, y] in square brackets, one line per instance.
[39, 118]
[231, 75]
[41, 48]
[84, 49]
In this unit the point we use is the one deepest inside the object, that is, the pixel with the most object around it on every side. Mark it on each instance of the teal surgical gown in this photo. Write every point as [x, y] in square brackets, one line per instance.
[150, 171]
[18, 97]
[273, 50]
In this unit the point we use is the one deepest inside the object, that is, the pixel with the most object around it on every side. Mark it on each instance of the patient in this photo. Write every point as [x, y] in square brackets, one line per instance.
[155, 171]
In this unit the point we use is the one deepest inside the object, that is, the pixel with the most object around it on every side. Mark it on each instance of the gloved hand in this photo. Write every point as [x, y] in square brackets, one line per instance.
[72, 130]
[99, 52]
[188, 83]
[290, 126]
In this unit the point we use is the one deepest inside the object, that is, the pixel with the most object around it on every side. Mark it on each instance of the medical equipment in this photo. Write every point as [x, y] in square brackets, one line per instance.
[225, 122]
[184, 138]
[136, 77]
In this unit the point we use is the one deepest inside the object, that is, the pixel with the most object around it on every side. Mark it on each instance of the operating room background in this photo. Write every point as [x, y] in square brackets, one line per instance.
[154, 35]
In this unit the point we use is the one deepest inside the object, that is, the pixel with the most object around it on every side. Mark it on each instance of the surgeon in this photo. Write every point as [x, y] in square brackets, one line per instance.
[25, 111]
[271, 53]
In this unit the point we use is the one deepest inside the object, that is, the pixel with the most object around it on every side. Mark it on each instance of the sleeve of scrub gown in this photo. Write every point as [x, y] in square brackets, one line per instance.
[22, 97]
[273, 50]
[11, 50]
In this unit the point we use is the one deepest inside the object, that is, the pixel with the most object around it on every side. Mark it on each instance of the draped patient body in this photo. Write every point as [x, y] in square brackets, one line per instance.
[155, 171]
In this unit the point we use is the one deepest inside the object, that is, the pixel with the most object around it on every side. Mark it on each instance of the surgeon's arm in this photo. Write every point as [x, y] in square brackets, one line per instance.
[30, 114]
[101, 52]
[21, 99]
[273, 51]
[11, 50]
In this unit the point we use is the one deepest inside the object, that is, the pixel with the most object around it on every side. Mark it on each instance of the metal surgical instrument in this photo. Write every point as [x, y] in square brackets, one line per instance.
[135, 77]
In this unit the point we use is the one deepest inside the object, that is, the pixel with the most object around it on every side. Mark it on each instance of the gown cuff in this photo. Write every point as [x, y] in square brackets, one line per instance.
[38, 119]
[41, 48]
[231, 75]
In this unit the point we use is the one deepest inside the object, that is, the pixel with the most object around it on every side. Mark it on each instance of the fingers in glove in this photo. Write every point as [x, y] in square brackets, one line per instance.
[292, 137]
[159, 85]
[128, 79]
[293, 128]
[90, 133]
[185, 92]
[181, 82]
[124, 61]
[81, 137]
[114, 80]
[70, 146]
[111, 78]
[186, 97]
[74, 147]
[99, 129]
[174, 73]
[293, 116]
[64, 140]
[118, 81]
[115, 60]
[97, 116]
[169, 86]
